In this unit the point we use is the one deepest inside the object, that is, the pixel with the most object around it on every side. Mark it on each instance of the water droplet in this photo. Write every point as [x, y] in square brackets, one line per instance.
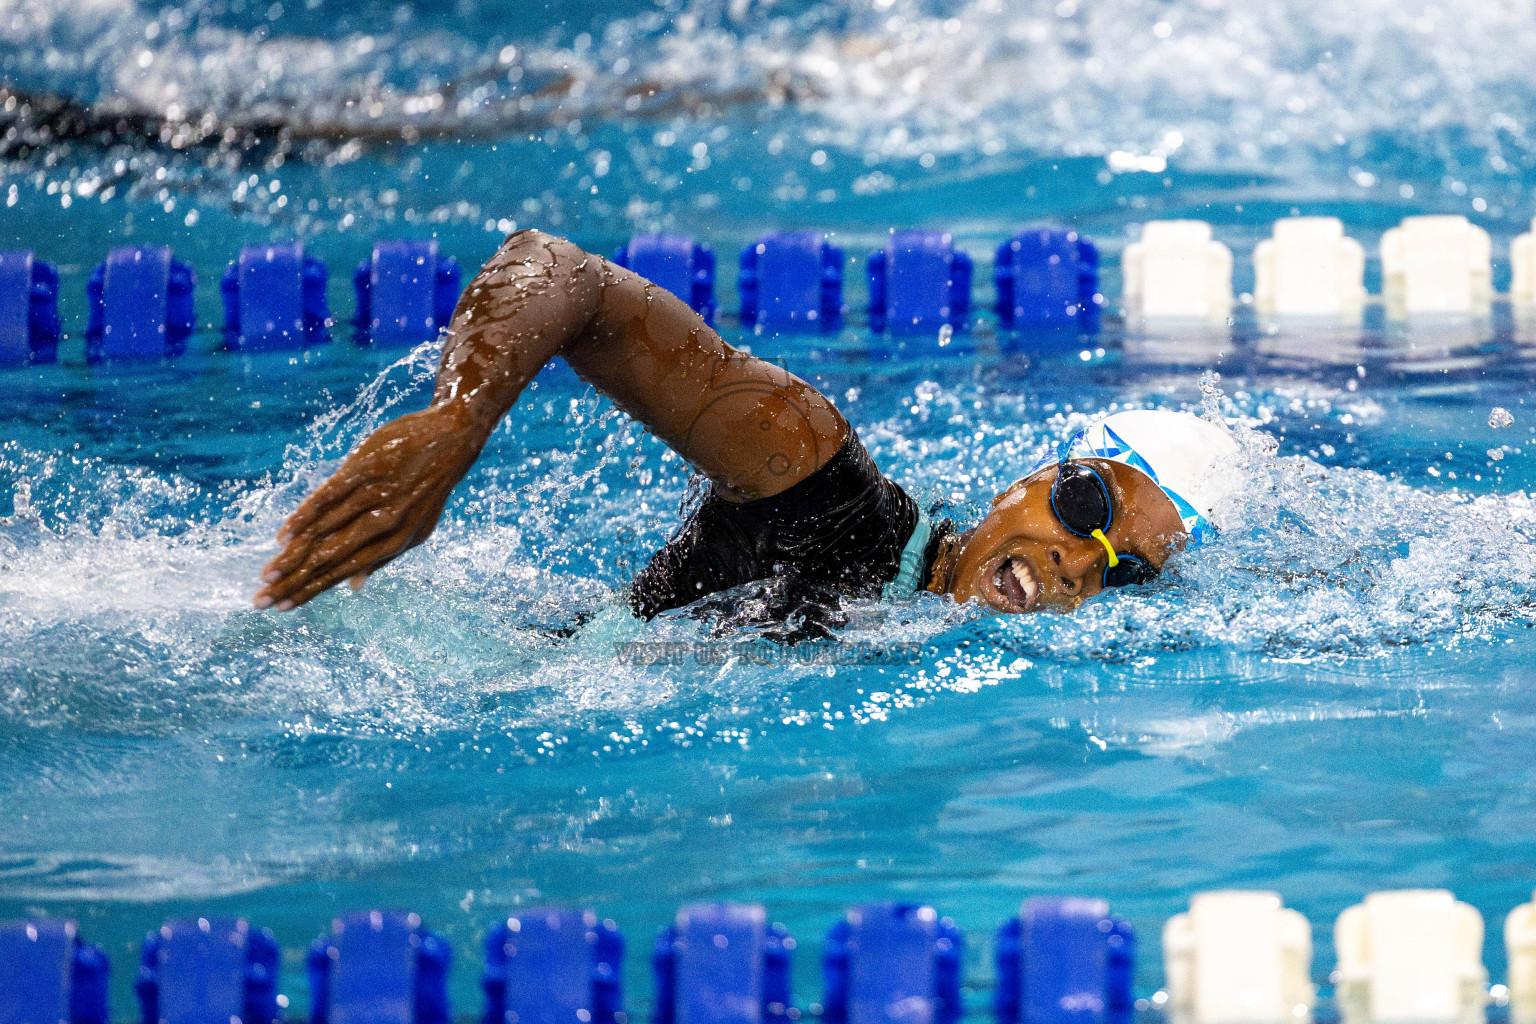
[1500, 417]
[1495, 454]
[946, 333]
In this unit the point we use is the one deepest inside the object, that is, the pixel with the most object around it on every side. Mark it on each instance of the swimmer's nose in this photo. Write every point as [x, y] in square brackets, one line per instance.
[1073, 566]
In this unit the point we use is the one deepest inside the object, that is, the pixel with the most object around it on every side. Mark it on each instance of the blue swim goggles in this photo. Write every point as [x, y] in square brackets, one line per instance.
[1080, 499]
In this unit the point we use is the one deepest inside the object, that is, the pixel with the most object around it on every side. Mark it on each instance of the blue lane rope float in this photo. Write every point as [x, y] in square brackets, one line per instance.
[140, 305]
[204, 969]
[140, 298]
[553, 966]
[918, 283]
[791, 282]
[406, 292]
[49, 975]
[29, 309]
[274, 298]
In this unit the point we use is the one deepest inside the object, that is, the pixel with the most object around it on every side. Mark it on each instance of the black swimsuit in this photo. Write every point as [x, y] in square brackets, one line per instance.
[839, 532]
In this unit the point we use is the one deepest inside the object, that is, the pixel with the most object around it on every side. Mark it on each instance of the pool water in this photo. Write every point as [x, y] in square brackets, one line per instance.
[1337, 697]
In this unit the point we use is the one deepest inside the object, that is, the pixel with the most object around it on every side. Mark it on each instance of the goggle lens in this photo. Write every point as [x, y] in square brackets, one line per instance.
[1080, 499]
[1130, 572]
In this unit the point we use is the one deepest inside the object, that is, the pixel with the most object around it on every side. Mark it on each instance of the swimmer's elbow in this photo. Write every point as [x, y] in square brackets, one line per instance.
[564, 256]
[567, 263]
[536, 285]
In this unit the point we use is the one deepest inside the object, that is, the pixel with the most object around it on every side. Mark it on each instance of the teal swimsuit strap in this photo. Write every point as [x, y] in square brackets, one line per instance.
[909, 577]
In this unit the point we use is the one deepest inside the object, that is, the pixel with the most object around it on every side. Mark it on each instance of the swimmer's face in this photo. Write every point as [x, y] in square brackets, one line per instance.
[1021, 558]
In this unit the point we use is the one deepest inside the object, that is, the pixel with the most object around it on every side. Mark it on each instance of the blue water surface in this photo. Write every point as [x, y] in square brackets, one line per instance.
[1334, 698]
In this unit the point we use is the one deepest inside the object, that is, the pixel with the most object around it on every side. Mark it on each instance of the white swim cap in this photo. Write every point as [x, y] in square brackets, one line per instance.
[1191, 459]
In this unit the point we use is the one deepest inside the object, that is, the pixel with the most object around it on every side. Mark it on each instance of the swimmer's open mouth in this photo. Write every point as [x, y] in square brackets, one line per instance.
[1016, 584]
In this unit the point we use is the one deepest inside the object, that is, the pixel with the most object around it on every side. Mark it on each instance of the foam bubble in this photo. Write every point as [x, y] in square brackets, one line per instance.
[129, 589]
[1341, 92]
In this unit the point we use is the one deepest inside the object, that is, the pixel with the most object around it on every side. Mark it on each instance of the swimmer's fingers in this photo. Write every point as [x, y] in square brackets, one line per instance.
[367, 560]
[356, 580]
[352, 552]
[371, 502]
[313, 557]
[363, 515]
[310, 551]
[389, 454]
[390, 491]
[356, 474]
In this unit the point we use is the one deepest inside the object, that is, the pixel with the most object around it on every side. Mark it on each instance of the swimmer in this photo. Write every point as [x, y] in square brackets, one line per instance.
[793, 493]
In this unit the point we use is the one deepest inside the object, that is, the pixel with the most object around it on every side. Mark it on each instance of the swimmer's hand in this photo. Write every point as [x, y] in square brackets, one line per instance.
[385, 499]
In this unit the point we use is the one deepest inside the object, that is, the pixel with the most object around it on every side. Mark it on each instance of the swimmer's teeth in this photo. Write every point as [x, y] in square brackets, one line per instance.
[1026, 578]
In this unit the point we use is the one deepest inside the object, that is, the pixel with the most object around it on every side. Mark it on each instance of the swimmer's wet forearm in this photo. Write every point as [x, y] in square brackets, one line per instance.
[529, 301]
[751, 427]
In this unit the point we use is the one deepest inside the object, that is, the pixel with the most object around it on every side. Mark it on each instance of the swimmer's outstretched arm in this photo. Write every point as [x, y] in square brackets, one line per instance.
[751, 427]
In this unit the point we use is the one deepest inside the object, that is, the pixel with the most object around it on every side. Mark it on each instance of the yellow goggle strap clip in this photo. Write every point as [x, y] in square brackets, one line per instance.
[1114, 559]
